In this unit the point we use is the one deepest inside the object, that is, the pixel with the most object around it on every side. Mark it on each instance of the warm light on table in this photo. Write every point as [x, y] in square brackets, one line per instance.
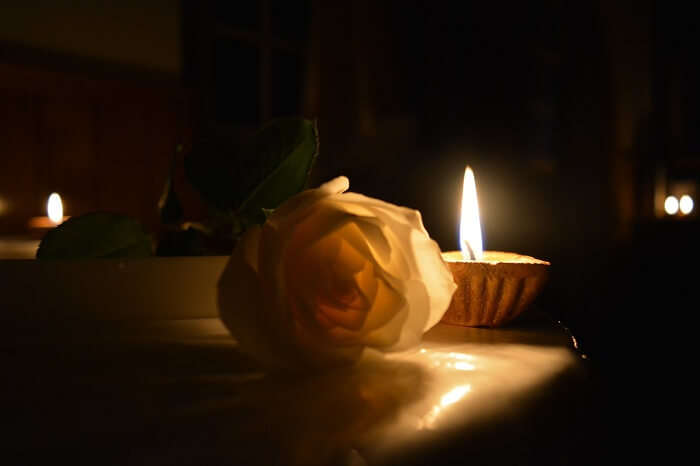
[493, 287]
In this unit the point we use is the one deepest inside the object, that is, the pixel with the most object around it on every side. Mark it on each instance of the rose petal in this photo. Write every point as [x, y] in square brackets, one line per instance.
[366, 282]
[389, 334]
[349, 261]
[258, 328]
[423, 254]
[240, 303]
[329, 273]
[389, 263]
[387, 303]
[284, 241]
[383, 324]
[350, 319]
[416, 316]
[435, 275]
[393, 212]
[378, 229]
[294, 209]
[337, 185]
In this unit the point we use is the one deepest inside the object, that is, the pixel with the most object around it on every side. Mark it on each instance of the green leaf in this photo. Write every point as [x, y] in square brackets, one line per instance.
[96, 235]
[273, 166]
[287, 149]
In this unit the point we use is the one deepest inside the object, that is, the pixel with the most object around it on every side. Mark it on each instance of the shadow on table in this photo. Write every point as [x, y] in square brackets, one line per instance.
[116, 402]
[168, 403]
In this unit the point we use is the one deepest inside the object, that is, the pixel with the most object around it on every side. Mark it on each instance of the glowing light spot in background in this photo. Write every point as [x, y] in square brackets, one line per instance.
[671, 205]
[54, 208]
[686, 204]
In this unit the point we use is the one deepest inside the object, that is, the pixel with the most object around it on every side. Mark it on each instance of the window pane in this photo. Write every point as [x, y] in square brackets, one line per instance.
[286, 84]
[236, 82]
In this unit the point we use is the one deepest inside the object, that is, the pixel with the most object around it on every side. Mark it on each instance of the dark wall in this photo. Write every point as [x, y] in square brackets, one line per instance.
[129, 32]
[102, 143]
[90, 106]
[521, 94]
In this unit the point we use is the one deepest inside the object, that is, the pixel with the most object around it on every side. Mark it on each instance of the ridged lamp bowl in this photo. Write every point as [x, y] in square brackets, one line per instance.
[494, 290]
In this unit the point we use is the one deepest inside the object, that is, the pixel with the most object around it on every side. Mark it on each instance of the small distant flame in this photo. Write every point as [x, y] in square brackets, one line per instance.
[54, 208]
[671, 205]
[470, 241]
[686, 204]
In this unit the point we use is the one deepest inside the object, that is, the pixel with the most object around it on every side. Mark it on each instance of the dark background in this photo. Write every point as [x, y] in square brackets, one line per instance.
[578, 118]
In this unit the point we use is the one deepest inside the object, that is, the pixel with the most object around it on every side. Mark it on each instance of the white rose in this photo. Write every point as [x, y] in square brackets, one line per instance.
[330, 273]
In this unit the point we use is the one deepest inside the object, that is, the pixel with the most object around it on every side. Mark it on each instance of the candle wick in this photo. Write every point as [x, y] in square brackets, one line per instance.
[472, 256]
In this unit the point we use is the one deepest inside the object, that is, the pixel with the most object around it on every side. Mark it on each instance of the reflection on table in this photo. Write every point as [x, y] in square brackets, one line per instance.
[179, 392]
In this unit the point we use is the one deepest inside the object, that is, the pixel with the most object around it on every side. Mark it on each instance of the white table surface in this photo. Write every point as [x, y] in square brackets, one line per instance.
[179, 392]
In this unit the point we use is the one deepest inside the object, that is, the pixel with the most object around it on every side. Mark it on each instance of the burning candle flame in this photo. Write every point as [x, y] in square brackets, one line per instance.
[470, 226]
[54, 208]
[686, 204]
[671, 205]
